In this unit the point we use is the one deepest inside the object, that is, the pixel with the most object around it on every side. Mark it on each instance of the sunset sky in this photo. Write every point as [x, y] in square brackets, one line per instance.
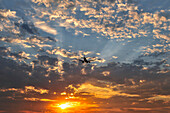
[42, 43]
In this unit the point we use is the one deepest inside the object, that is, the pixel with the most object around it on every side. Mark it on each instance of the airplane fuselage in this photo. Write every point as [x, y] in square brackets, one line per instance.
[85, 60]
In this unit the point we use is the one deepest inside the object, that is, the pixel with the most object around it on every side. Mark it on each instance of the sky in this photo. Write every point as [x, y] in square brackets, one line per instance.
[42, 43]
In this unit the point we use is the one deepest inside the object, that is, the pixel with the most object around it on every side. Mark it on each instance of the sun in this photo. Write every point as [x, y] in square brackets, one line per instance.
[69, 105]
[64, 106]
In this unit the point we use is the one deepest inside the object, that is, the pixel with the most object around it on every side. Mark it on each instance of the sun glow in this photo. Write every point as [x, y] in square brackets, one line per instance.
[64, 106]
[68, 105]
[71, 106]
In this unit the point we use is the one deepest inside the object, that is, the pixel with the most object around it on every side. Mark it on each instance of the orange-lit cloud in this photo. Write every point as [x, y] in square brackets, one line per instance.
[83, 71]
[118, 21]
[28, 112]
[7, 13]
[100, 92]
[165, 98]
[39, 99]
[45, 2]
[106, 73]
[39, 90]
[26, 90]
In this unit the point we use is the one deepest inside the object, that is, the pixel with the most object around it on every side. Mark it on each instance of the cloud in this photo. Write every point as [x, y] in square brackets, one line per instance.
[39, 90]
[28, 89]
[106, 73]
[124, 82]
[35, 68]
[28, 112]
[7, 13]
[101, 92]
[45, 2]
[45, 27]
[39, 99]
[1, 27]
[165, 98]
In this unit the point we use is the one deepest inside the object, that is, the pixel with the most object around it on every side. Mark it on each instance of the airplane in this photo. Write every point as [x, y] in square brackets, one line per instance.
[85, 60]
